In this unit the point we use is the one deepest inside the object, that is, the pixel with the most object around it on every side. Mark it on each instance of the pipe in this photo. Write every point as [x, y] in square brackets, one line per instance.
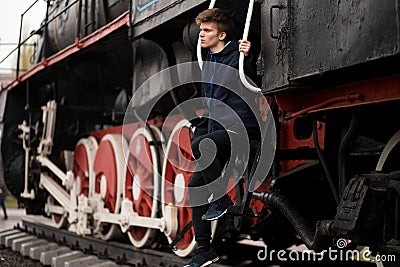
[20, 36]
[45, 32]
[241, 56]
[85, 13]
[199, 56]
[323, 163]
[131, 20]
[348, 98]
[350, 134]
[78, 24]
[93, 16]
[19, 47]
[36, 32]
[314, 241]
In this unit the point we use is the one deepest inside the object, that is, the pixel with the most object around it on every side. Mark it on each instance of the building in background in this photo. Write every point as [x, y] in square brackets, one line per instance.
[6, 78]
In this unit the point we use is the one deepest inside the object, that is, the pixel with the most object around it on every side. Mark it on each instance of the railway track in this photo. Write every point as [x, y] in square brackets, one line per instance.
[61, 248]
[58, 248]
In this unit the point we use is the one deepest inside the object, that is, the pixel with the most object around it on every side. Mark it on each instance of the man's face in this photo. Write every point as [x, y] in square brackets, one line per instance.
[210, 37]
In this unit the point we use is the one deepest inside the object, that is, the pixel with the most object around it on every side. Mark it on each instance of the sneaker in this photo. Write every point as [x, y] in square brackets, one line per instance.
[217, 209]
[203, 257]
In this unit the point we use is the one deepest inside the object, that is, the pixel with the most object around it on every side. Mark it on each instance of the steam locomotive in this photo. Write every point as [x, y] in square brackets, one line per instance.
[327, 69]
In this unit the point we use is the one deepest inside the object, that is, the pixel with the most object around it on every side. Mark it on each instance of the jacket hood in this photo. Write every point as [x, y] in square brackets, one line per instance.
[232, 46]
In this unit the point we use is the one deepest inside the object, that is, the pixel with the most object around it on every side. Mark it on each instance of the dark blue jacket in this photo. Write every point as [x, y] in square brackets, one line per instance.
[215, 91]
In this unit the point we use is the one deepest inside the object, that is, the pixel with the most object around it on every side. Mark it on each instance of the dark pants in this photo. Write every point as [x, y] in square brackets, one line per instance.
[212, 152]
[2, 200]
[211, 165]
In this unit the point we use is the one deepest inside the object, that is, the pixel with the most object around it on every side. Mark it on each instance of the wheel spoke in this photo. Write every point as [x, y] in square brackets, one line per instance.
[178, 170]
[110, 169]
[81, 168]
[141, 185]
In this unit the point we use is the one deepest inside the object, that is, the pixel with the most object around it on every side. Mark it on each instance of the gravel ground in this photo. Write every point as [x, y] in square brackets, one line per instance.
[9, 258]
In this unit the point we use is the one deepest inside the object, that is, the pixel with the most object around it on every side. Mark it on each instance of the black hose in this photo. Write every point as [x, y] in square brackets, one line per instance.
[314, 241]
[343, 151]
[323, 163]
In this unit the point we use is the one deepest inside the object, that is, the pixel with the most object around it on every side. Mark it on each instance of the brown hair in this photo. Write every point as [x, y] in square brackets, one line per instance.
[223, 19]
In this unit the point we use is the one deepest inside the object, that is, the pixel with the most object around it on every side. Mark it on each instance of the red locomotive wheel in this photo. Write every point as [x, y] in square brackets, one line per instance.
[177, 170]
[58, 216]
[85, 152]
[142, 181]
[110, 171]
[82, 168]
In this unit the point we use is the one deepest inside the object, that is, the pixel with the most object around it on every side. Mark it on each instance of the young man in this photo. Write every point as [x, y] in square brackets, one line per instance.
[218, 127]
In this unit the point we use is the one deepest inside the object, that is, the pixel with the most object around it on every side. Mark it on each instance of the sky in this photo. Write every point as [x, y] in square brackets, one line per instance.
[10, 16]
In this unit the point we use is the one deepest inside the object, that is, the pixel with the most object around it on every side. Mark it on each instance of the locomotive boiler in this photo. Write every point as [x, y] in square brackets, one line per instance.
[328, 77]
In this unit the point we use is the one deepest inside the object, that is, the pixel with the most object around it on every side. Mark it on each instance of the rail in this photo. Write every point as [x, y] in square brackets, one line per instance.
[242, 76]
[43, 28]
[118, 252]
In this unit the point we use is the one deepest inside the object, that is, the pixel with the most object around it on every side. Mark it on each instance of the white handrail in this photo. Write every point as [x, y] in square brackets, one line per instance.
[199, 57]
[241, 57]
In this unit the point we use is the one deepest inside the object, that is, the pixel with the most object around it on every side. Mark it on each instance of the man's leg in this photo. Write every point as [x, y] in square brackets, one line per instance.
[204, 254]
[210, 160]
[212, 151]
[202, 229]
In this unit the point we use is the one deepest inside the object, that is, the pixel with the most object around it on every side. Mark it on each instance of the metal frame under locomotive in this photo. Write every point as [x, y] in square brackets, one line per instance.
[335, 164]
